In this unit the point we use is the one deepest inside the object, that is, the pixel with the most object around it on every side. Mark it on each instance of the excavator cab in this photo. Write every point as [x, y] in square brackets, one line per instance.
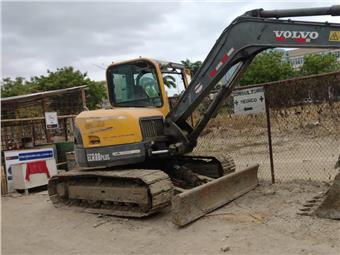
[133, 130]
[135, 84]
[145, 83]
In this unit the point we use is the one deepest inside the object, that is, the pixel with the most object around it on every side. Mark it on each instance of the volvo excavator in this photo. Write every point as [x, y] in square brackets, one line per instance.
[134, 159]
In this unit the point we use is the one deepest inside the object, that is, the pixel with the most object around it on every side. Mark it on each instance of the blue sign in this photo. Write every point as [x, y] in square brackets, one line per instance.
[35, 155]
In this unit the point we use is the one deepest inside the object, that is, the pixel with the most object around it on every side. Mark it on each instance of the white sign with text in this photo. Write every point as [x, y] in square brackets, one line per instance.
[248, 101]
[51, 119]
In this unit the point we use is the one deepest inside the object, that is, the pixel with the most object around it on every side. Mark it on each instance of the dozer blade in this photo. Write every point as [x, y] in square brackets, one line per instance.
[195, 203]
[330, 207]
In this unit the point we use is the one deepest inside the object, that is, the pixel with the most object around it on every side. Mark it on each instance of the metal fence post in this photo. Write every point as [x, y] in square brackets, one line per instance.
[269, 138]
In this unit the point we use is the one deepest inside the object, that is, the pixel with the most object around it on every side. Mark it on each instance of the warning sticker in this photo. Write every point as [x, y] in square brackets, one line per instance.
[334, 36]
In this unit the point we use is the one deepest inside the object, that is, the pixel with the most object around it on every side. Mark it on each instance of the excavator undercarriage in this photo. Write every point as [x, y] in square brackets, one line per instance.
[128, 193]
[196, 186]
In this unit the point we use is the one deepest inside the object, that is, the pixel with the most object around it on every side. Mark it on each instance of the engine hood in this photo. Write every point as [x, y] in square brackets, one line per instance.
[114, 126]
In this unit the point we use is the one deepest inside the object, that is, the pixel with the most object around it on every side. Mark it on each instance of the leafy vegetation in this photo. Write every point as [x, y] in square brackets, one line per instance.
[192, 66]
[316, 64]
[65, 77]
[15, 87]
[267, 67]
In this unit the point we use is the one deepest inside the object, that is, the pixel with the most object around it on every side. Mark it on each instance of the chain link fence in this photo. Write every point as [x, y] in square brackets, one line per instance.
[23, 117]
[305, 130]
[304, 118]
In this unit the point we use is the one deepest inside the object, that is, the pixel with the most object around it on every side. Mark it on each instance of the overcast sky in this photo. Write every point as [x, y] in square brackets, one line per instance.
[37, 36]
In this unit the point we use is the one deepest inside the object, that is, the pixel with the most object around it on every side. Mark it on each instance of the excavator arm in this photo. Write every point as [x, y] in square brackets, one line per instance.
[247, 36]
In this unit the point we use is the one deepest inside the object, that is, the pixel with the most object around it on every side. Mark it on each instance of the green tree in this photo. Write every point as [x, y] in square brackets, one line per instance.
[316, 64]
[192, 66]
[65, 77]
[267, 67]
[15, 87]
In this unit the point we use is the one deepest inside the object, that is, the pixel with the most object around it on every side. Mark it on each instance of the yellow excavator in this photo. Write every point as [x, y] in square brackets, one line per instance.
[134, 159]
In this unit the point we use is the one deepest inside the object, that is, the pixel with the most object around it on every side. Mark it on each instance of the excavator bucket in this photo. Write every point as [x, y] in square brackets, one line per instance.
[330, 207]
[195, 203]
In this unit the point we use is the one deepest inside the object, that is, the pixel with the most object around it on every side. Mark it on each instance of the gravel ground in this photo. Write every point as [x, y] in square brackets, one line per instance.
[261, 222]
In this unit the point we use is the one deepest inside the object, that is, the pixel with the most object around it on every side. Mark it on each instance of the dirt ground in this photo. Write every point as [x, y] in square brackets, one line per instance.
[305, 139]
[261, 222]
[296, 155]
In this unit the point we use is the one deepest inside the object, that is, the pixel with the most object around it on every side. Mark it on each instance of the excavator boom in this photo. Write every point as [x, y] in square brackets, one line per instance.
[239, 43]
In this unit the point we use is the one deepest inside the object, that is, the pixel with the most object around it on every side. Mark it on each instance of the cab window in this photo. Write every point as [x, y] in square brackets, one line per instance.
[134, 85]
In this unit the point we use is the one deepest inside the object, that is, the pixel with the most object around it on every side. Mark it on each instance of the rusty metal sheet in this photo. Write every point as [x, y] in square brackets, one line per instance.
[195, 203]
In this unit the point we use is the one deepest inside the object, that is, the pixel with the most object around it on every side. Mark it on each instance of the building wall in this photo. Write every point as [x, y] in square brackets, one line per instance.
[296, 57]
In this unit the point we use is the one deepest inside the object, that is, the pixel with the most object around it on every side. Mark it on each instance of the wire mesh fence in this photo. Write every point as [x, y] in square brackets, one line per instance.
[304, 115]
[305, 132]
[307, 141]
[23, 117]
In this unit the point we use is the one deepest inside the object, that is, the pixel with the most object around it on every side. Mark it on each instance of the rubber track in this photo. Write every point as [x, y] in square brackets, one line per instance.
[158, 183]
[227, 163]
[226, 160]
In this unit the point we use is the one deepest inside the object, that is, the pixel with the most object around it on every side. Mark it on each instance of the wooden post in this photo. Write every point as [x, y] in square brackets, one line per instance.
[33, 133]
[83, 98]
[72, 125]
[4, 137]
[47, 132]
[18, 135]
[65, 130]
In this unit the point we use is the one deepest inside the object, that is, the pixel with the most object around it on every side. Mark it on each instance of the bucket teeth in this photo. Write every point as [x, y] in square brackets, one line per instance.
[329, 207]
[312, 201]
[304, 213]
[305, 209]
[324, 204]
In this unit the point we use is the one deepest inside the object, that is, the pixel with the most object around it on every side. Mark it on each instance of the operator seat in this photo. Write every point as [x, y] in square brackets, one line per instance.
[140, 92]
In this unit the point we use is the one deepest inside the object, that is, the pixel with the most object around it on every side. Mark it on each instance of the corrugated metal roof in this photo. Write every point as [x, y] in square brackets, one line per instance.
[39, 95]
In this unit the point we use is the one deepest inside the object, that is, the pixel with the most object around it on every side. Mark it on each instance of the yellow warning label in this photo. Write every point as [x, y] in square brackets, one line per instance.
[334, 36]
